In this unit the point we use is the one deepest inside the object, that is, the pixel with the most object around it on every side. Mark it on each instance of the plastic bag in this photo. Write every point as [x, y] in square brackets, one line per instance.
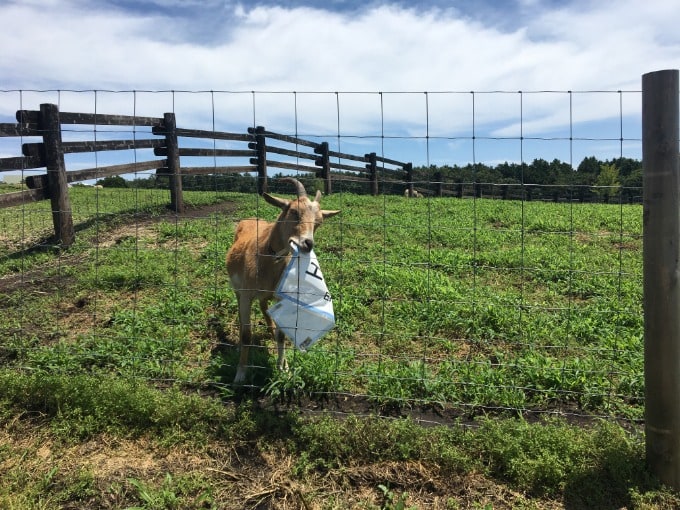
[305, 310]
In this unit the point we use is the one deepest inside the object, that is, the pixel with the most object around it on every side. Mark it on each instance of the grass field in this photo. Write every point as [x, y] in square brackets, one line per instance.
[513, 329]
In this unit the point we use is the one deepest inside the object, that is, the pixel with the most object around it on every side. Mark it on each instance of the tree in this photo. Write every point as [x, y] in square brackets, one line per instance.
[115, 181]
[607, 181]
[632, 185]
[587, 171]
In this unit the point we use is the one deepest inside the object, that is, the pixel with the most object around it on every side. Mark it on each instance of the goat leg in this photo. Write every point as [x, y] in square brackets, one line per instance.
[278, 335]
[244, 338]
[283, 362]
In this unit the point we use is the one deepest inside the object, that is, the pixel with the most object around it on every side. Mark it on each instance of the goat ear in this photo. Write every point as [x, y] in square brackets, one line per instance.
[281, 203]
[324, 214]
[328, 214]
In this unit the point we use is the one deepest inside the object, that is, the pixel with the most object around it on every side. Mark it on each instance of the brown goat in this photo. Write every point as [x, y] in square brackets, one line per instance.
[260, 253]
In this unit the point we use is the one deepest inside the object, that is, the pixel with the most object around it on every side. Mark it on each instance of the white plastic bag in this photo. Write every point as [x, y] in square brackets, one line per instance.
[305, 311]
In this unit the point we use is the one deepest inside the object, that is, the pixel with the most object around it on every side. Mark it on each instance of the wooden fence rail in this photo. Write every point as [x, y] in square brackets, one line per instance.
[49, 123]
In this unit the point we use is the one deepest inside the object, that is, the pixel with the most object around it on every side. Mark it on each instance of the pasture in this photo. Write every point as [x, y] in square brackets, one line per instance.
[501, 341]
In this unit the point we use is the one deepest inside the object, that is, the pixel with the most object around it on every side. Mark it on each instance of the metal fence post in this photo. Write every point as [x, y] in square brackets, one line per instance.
[661, 273]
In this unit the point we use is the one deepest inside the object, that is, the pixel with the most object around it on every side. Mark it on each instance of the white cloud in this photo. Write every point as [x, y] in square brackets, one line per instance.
[82, 45]
[232, 46]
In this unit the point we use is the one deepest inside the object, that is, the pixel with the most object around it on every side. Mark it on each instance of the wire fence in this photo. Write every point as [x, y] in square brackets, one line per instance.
[446, 306]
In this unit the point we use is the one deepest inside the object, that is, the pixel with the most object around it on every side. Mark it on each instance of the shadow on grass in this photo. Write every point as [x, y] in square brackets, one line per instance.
[621, 480]
[225, 357]
[51, 244]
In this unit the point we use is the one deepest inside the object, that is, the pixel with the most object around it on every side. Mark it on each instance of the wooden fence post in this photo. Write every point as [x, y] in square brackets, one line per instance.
[57, 184]
[373, 172]
[325, 163]
[661, 270]
[174, 169]
[408, 168]
[261, 159]
[440, 184]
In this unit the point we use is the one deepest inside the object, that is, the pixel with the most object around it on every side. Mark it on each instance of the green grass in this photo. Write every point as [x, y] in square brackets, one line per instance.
[590, 466]
[475, 303]
[465, 307]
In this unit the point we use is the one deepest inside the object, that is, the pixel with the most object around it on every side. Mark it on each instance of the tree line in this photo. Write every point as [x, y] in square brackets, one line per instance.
[593, 180]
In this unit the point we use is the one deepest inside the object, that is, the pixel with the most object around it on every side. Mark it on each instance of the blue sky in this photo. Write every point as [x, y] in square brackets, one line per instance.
[355, 72]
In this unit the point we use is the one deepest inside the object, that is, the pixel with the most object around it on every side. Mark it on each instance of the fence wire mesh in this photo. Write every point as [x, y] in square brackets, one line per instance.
[513, 285]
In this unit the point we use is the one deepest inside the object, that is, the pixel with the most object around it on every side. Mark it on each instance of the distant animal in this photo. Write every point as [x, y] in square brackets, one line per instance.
[98, 186]
[415, 194]
[258, 256]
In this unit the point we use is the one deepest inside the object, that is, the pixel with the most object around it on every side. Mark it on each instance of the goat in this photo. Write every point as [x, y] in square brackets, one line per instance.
[415, 194]
[260, 253]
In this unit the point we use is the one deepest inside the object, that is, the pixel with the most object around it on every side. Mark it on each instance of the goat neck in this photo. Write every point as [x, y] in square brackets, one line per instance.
[278, 243]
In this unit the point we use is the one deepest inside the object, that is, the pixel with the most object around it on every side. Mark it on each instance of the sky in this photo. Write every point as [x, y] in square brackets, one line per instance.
[430, 81]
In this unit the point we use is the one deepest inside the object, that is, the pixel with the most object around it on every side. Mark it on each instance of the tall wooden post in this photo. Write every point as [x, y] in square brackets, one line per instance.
[373, 172]
[408, 168]
[440, 183]
[57, 184]
[174, 169]
[661, 273]
[324, 161]
[261, 159]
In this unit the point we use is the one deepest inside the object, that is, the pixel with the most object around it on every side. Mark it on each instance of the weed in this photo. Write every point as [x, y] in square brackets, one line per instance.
[286, 385]
[172, 493]
[394, 501]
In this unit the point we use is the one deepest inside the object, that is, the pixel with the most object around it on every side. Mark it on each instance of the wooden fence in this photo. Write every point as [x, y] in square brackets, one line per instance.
[49, 124]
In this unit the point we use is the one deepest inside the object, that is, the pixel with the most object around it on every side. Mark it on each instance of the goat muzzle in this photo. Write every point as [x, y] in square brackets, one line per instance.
[306, 245]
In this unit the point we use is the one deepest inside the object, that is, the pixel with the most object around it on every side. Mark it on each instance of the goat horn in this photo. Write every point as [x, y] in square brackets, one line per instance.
[299, 188]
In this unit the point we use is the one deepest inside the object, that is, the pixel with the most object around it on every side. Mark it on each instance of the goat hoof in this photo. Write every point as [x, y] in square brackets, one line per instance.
[240, 378]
